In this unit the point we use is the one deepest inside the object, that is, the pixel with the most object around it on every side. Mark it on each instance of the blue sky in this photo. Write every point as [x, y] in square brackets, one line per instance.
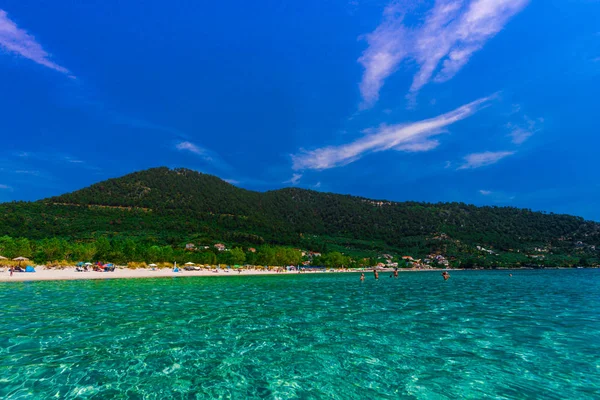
[480, 101]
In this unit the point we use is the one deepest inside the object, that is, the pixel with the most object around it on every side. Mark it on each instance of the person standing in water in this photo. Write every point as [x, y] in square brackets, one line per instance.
[446, 275]
[376, 274]
[362, 277]
[396, 272]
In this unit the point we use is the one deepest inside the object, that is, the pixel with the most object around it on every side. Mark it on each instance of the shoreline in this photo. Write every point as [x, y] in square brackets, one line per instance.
[70, 274]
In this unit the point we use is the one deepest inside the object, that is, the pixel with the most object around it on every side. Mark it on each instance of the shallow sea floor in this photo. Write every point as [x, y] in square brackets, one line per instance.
[481, 334]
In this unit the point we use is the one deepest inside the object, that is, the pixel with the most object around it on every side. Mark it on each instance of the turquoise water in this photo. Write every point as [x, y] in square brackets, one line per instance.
[480, 334]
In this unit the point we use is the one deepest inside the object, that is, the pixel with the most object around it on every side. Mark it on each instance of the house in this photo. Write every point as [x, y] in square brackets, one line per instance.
[220, 247]
[190, 246]
[407, 258]
[251, 249]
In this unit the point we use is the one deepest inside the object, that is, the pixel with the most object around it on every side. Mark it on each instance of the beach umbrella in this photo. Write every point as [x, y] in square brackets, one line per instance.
[3, 258]
[88, 263]
[189, 263]
[19, 259]
[152, 265]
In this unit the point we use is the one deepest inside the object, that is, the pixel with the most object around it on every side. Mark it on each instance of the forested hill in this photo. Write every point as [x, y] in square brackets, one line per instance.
[172, 206]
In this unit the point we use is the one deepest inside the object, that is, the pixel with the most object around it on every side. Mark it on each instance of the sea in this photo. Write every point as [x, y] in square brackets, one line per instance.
[478, 335]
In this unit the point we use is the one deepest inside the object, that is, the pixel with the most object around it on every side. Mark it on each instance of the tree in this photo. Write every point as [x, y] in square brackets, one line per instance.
[154, 254]
[237, 256]
[7, 247]
[103, 248]
[23, 247]
[335, 260]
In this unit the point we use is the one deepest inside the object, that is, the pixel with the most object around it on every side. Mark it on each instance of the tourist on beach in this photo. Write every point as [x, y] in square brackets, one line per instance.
[376, 274]
[446, 275]
[362, 277]
[11, 270]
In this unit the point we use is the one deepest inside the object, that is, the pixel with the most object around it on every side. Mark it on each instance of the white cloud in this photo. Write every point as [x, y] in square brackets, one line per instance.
[520, 133]
[295, 179]
[426, 145]
[18, 41]
[485, 192]
[317, 185]
[232, 181]
[451, 32]
[477, 160]
[6, 187]
[403, 137]
[191, 147]
[206, 155]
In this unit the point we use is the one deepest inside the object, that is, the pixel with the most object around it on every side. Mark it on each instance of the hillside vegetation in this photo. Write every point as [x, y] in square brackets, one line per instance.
[168, 207]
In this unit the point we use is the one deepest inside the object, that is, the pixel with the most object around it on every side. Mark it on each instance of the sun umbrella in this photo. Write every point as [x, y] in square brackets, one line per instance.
[189, 263]
[152, 265]
[3, 258]
[88, 263]
[19, 259]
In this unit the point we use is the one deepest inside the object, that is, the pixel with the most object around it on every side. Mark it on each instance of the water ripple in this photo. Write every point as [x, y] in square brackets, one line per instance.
[478, 335]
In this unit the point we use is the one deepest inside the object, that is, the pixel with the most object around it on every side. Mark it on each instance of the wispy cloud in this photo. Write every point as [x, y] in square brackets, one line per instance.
[521, 132]
[206, 155]
[16, 40]
[451, 32]
[485, 192]
[426, 145]
[232, 181]
[48, 156]
[189, 146]
[27, 172]
[295, 179]
[477, 160]
[5, 187]
[402, 137]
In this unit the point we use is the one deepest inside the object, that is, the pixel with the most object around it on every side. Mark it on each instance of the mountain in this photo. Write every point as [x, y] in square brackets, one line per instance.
[172, 206]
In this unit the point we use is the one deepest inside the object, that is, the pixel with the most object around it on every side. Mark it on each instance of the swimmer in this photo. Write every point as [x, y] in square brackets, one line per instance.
[395, 272]
[376, 274]
[446, 275]
[362, 277]
[509, 274]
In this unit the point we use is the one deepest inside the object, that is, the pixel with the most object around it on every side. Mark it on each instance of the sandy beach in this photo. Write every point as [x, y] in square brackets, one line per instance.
[123, 273]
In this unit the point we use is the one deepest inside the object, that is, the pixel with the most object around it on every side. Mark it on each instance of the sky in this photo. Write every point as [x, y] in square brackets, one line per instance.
[487, 102]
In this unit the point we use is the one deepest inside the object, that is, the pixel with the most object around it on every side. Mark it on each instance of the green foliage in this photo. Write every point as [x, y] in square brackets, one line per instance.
[150, 215]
